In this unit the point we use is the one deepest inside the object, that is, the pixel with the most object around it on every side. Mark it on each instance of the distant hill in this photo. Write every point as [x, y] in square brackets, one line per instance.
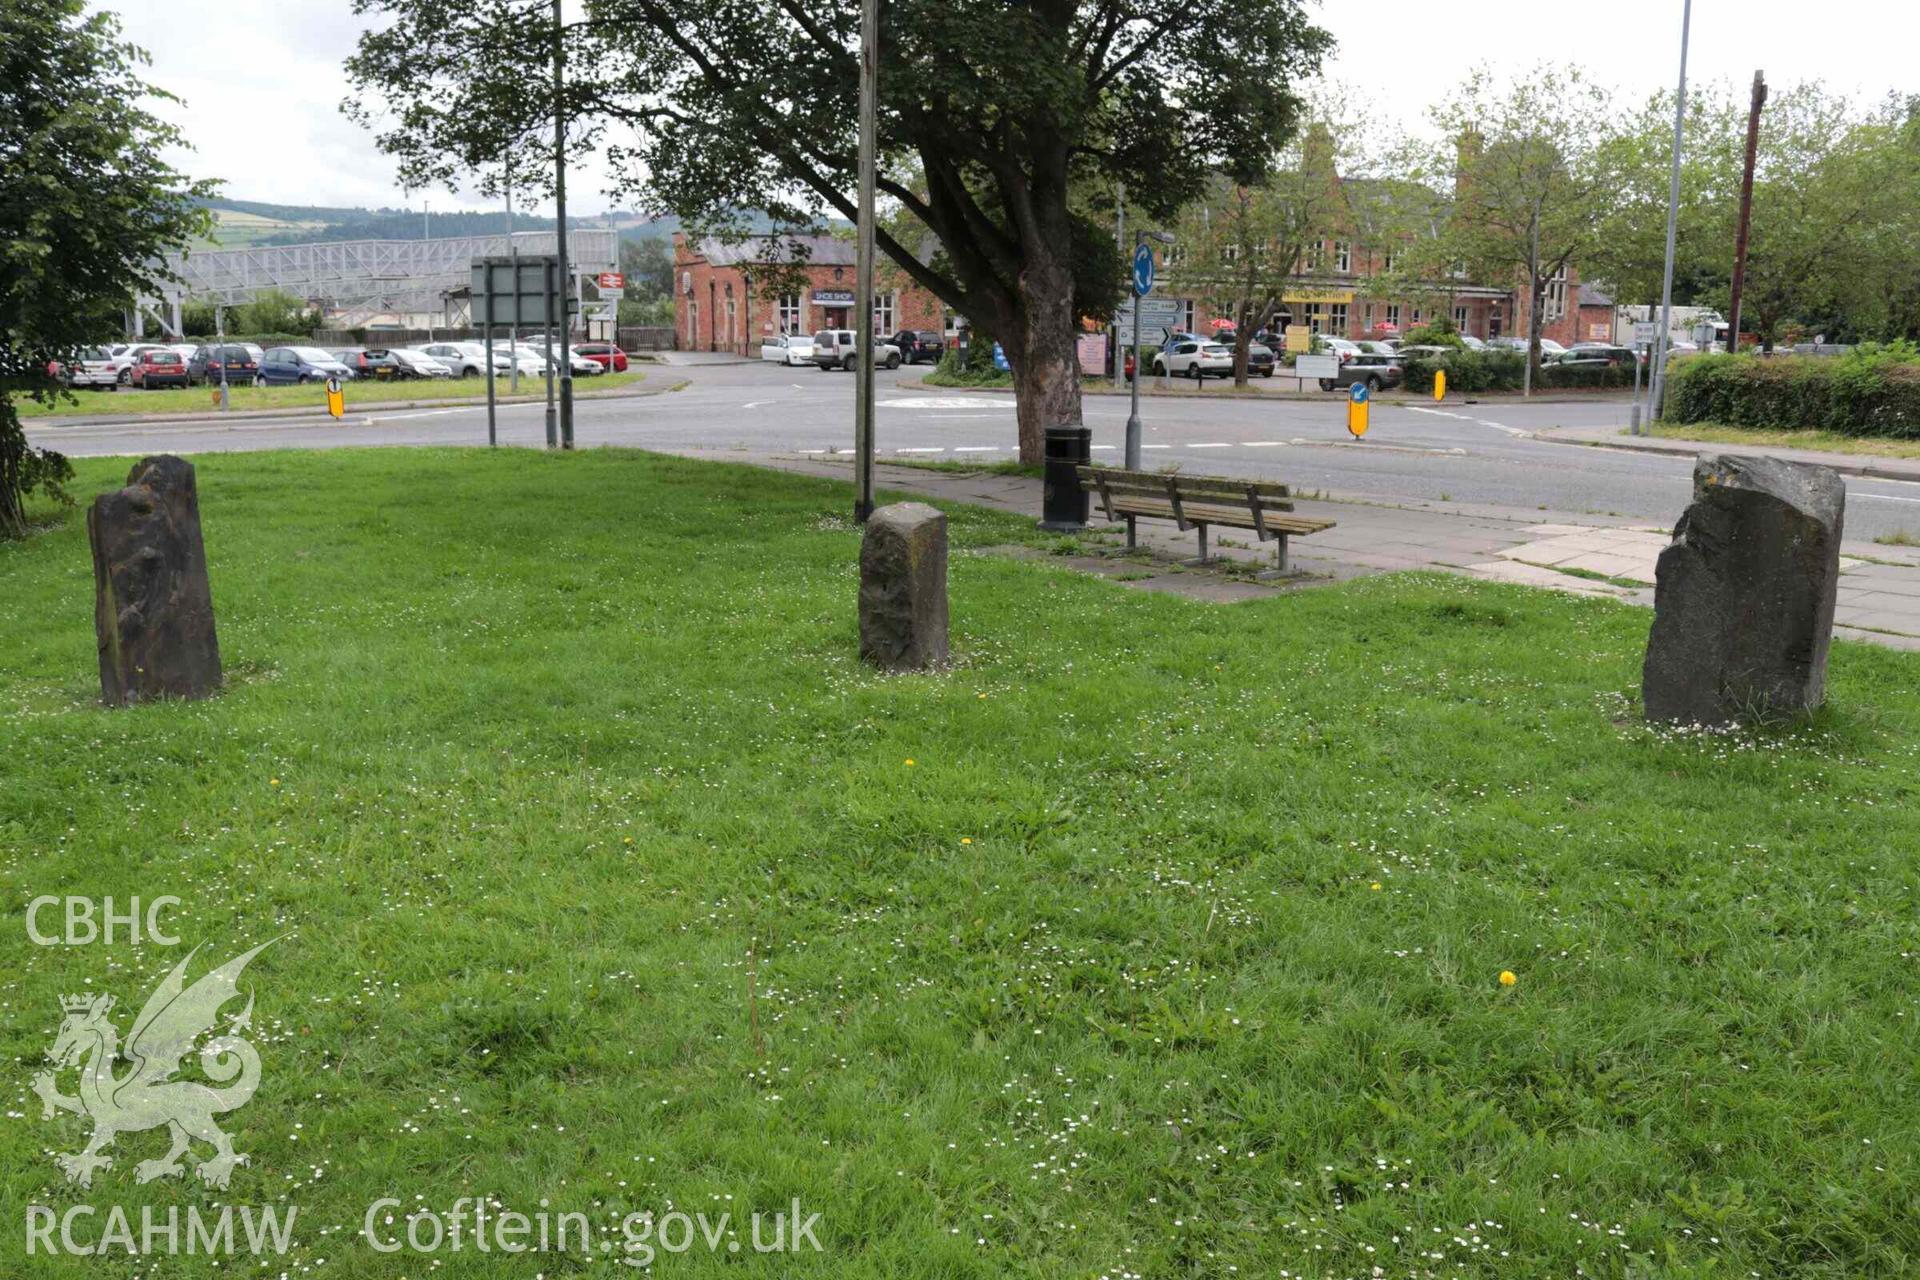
[241, 223]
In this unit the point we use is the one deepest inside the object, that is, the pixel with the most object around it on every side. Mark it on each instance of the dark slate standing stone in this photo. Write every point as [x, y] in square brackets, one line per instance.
[153, 609]
[903, 588]
[1743, 609]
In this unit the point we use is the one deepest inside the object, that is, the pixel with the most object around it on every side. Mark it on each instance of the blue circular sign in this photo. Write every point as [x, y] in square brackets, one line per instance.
[1142, 270]
[1358, 393]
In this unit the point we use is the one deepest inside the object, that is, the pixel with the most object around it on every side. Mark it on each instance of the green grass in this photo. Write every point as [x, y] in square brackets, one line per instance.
[198, 400]
[1829, 441]
[1155, 938]
[1004, 467]
[1899, 538]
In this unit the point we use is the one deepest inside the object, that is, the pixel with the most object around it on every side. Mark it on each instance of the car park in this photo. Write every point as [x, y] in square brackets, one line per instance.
[159, 367]
[917, 345]
[607, 355]
[287, 366]
[1194, 360]
[92, 367]
[839, 349]
[787, 348]
[205, 364]
[126, 356]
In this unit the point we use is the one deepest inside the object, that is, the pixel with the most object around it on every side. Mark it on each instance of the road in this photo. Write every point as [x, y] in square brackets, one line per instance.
[1472, 455]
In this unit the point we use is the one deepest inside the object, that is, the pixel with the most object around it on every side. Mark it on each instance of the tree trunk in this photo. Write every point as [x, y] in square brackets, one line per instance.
[1536, 321]
[1046, 364]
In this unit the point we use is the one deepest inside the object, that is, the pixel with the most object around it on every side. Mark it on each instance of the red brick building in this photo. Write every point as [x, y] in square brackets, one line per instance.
[722, 300]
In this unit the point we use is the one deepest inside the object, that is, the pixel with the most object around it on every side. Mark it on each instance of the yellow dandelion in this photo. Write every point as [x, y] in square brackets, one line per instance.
[909, 762]
[629, 840]
[1375, 886]
[966, 839]
[273, 782]
[1506, 978]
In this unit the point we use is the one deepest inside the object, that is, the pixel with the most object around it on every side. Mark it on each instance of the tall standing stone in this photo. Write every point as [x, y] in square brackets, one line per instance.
[1743, 609]
[903, 588]
[153, 608]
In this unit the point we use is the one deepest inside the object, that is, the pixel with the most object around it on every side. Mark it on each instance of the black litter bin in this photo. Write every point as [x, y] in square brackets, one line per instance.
[1064, 505]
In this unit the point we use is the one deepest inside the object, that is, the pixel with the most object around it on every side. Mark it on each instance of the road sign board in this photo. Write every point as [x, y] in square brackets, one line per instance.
[1299, 339]
[1643, 332]
[1316, 367]
[1359, 409]
[1142, 270]
[611, 295]
[1155, 313]
[610, 280]
[336, 399]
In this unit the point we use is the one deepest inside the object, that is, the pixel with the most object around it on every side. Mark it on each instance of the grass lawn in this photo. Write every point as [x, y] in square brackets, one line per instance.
[1830, 441]
[1155, 939]
[197, 400]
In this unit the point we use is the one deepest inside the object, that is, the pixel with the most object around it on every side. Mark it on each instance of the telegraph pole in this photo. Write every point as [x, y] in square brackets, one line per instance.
[869, 144]
[561, 353]
[1746, 212]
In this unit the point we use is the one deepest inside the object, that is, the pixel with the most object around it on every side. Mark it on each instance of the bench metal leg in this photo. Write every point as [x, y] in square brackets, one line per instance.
[1204, 558]
[1280, 569]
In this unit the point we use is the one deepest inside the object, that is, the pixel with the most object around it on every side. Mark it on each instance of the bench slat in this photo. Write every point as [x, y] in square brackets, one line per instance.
[1189, 486]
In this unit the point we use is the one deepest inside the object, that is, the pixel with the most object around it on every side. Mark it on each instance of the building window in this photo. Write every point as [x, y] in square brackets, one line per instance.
[1416, 315]
[1171, 256]
[1337, 319]
[1557, 296]
[953, 324]
[883, 310]
[1460, 319]
[1186, 315]
[1342, 256]
[1393, 314]
[1229, 253]
[792, 315]
[1316, 317]
[1387, 260]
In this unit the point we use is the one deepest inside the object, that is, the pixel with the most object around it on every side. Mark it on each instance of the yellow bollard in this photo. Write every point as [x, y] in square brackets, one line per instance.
[1440, 384]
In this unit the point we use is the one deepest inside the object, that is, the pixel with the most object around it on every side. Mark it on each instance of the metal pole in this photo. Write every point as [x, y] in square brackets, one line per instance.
[863, 390]
[1133, 394]
[546, 300]
[493, 435]
[1746, 213]
[560, 228]
[513, 255]
[1120, 247]
[1657, 389]
[1633, 416]
[220, 346]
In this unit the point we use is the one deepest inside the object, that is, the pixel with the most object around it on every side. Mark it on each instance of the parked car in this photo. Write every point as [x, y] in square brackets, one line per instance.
[1325, 344]
[1260, 359]
[787, 348]
[205, 363]
[839, 349]
[605, 354]
[1472, 343]
[1548, 347]
[1593, 357]
[919, 344]
[159, 367]
[1194, 360]
[125, 357]
[375, 362]
[419, 364]
[464, 359]
[1371, 368]
[286, 366]
[93, 367]
[578, 364]
[1379, 346]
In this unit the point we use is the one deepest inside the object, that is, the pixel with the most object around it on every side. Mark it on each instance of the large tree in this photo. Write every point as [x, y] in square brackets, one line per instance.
[1519, 161]
[990, 115]
[87, 209]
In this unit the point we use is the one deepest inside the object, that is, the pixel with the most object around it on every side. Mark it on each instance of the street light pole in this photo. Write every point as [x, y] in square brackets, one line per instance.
[863, 271]
[560, 227]
[1657, 388]
[513, 256]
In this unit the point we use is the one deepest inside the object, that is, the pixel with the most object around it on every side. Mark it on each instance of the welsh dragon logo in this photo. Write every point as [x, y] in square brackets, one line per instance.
[147, 1096]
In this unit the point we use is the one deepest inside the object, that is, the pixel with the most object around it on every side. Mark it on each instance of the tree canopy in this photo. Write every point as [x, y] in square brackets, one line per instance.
[990, 116]
[87, 209]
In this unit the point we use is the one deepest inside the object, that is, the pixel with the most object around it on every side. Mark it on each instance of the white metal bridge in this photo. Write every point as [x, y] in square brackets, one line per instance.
[368, 276]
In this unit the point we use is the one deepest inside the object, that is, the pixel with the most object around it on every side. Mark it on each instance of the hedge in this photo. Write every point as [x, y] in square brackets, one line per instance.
[1871, 391]
[1503, 370]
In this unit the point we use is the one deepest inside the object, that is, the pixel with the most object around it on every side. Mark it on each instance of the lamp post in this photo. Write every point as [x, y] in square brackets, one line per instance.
[563, 282]
[1657, 387]
[863, 271]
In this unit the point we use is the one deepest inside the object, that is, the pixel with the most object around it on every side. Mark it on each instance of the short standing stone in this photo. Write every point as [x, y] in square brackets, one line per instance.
[903, 588]
[1743, 613]
[153, 609]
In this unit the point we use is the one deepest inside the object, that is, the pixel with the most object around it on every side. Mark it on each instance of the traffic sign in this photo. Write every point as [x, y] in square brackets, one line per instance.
[1155, 313]
[1643, 332]
[1359, 409]
[1142, 270]
[336, 398]
[610, 280]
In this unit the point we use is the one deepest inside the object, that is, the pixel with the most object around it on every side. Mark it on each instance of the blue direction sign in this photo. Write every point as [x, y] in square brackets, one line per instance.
[1142, 270]
[1358, 393]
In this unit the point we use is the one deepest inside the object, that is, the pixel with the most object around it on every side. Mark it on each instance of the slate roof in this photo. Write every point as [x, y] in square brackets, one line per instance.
[820, 251]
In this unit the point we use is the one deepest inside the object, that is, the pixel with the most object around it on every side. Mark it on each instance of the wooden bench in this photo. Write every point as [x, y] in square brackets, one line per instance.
[1198, 502]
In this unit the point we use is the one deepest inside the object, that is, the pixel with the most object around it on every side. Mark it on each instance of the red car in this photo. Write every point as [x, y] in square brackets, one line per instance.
[158, 367]
[606, 355]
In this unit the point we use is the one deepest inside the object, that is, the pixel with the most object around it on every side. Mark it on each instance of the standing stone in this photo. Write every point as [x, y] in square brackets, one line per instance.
[153, 609]
[1743, 610]
[903, 588]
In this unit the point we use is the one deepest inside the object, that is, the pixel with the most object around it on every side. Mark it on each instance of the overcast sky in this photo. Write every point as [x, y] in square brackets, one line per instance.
[262, 84]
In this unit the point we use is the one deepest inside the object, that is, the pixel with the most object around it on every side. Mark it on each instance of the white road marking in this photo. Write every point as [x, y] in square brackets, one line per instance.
[949, 417]
[935, 450]
[947, 402]
[1210, 446]
[981, 448]
[816, 451]
[1108, 447]
[1156, 446]
[1262, 444]
[755, 404]
[1885, 497]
